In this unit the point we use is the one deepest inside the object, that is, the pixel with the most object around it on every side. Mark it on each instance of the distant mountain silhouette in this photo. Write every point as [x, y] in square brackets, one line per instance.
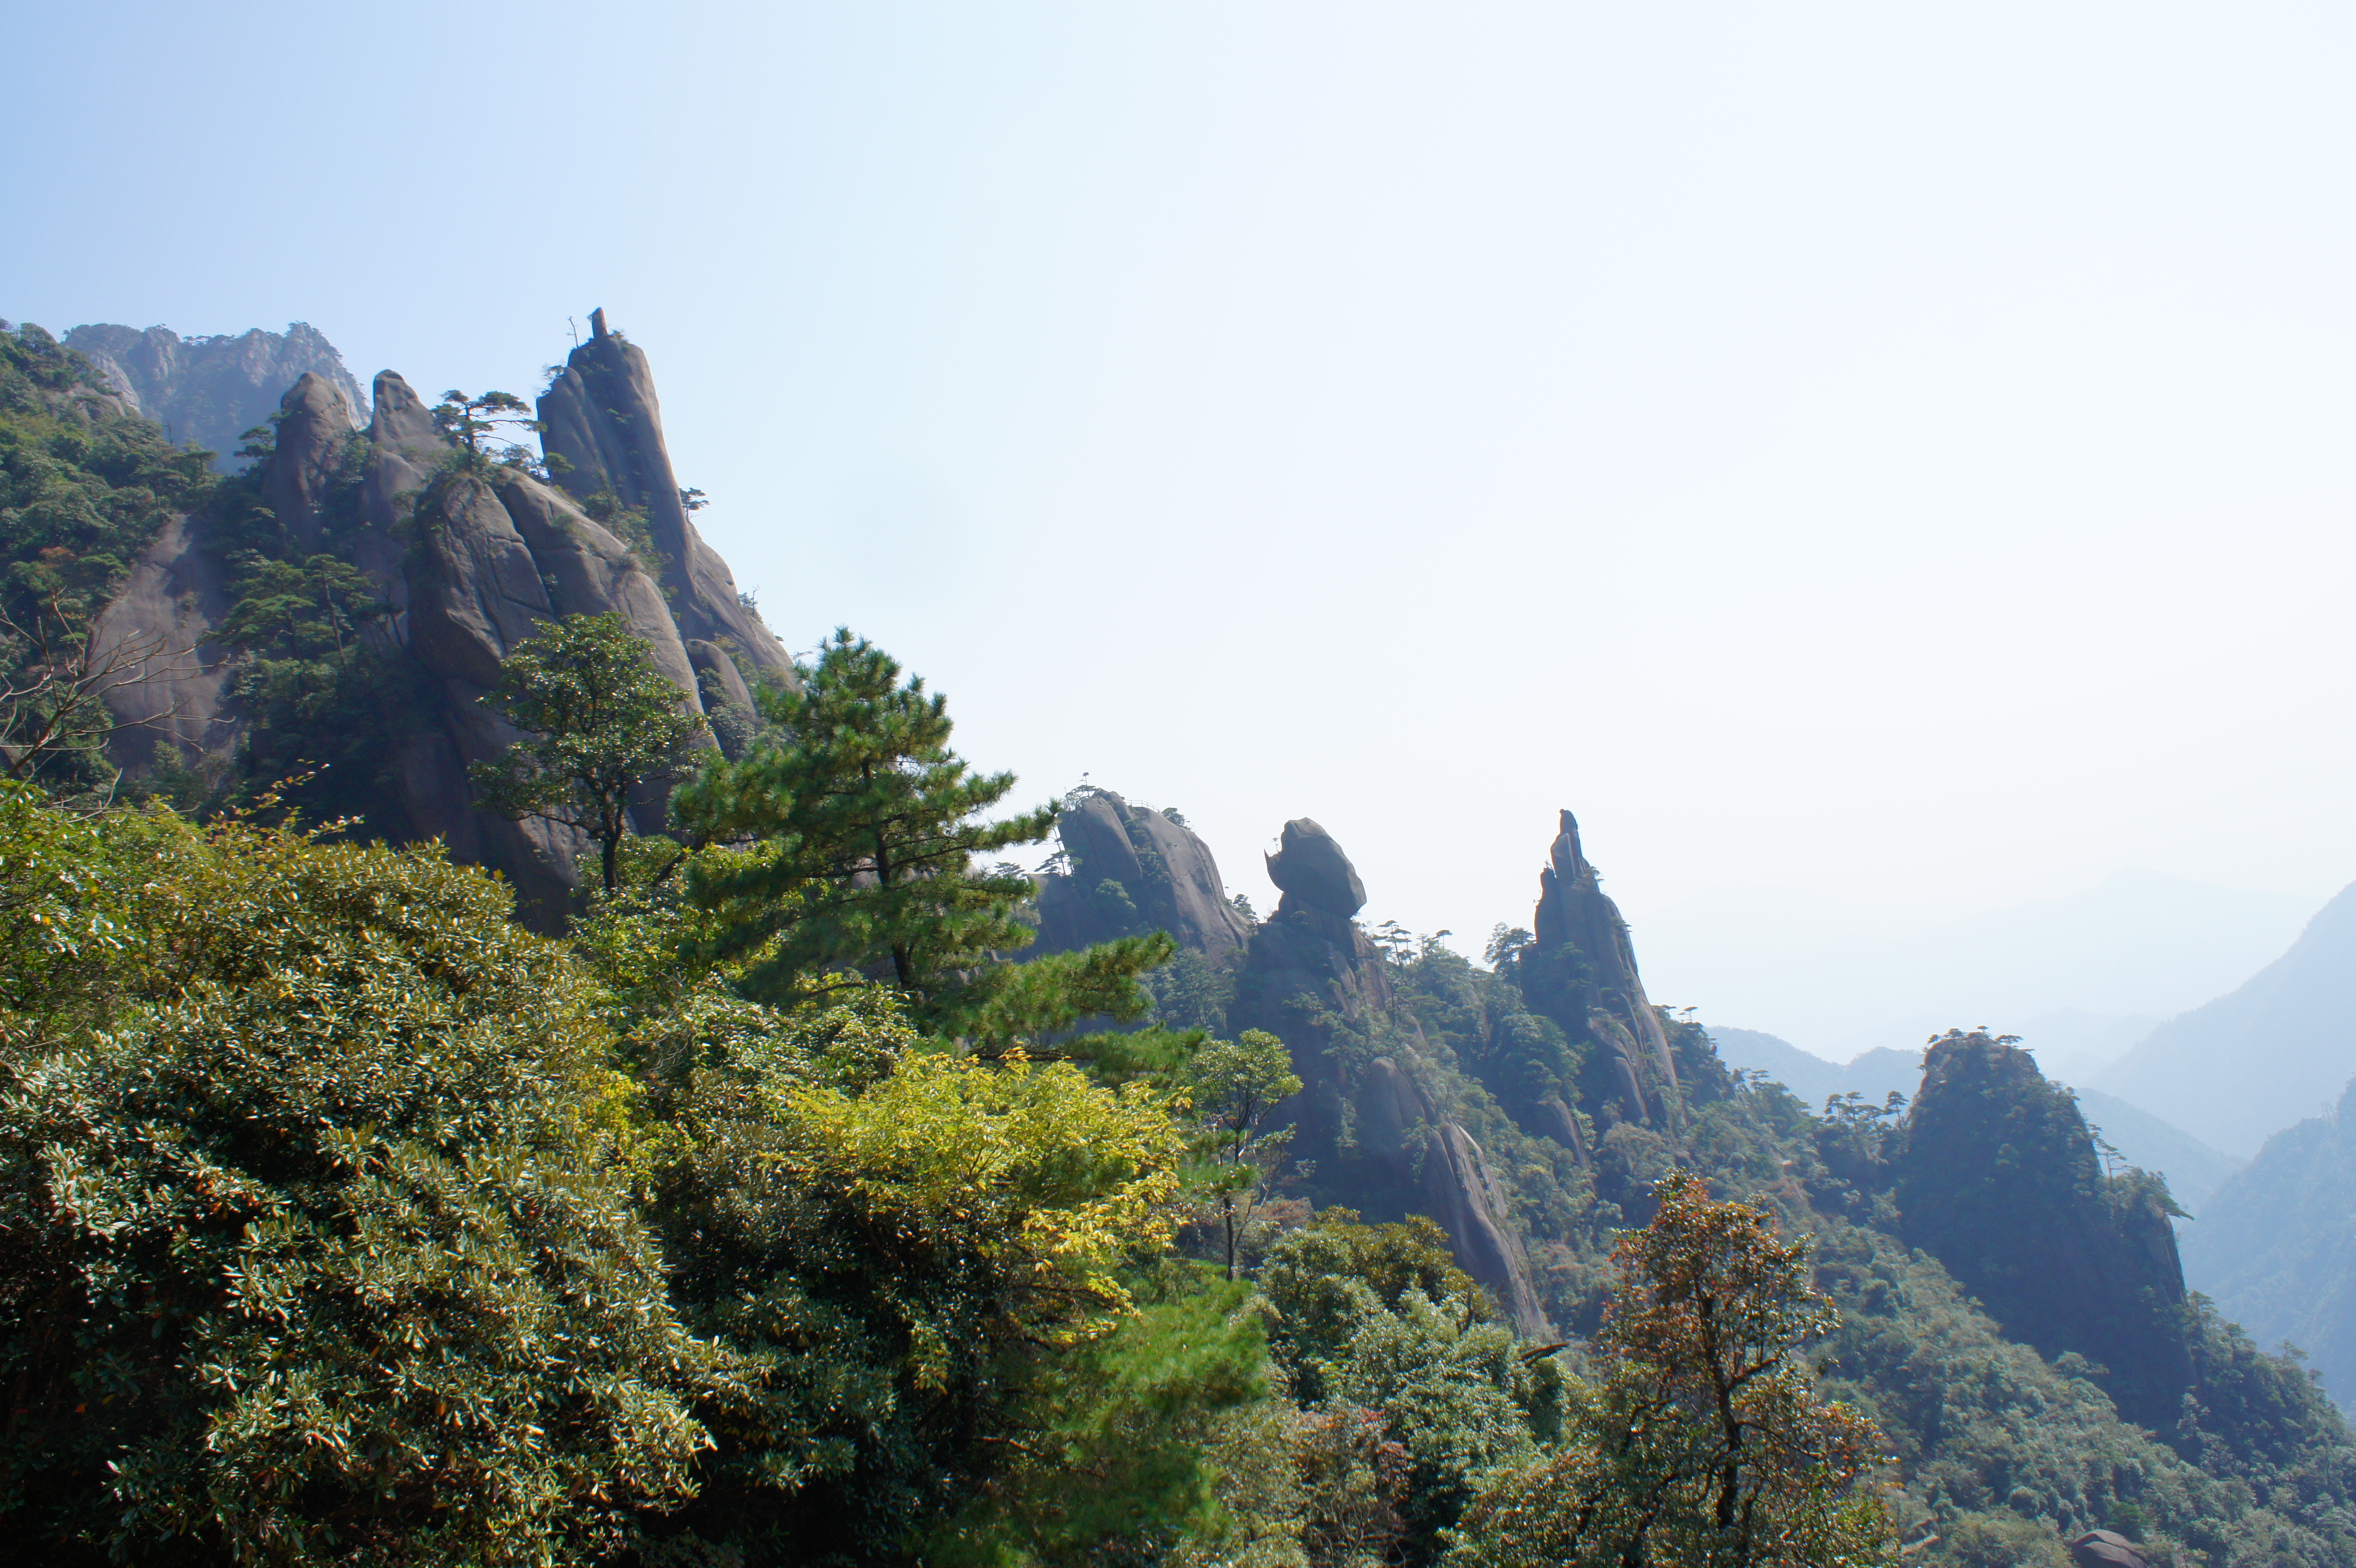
[2278, 1049]
[2067, 974]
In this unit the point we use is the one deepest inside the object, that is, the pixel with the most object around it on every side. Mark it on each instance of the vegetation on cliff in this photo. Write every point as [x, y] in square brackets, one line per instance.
[763, 1208]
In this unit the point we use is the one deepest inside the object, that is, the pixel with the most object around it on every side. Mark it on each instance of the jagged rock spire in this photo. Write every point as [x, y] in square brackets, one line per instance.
[602, 432]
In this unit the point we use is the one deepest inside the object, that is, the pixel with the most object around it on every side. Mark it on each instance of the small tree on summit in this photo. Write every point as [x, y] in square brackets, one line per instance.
[469, 421]
[603, 721]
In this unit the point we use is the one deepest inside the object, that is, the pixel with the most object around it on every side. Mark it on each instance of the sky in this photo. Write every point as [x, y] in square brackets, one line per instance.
[1886, 456]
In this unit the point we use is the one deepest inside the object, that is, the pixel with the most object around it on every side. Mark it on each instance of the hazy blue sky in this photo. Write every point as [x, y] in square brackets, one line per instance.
[1898, 452]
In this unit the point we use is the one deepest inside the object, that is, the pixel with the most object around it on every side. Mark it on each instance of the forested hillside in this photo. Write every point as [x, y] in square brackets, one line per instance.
[2275, 1249]
[498, 1064]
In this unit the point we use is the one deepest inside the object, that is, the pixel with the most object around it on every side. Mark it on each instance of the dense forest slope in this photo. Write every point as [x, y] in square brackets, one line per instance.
[880, 1239]
[2276, 1250]
[2269, 1054]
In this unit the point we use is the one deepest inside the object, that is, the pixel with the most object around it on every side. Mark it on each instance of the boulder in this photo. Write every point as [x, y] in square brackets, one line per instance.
[2105, 1549]
[721, 682]
[1312, 873]
[1166, 876]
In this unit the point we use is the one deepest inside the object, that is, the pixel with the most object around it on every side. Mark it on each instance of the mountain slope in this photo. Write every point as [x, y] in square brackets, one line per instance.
[2275, 1248]
[1839, 980]
[2192, 1168]
[210, 390]
[2254, 1061]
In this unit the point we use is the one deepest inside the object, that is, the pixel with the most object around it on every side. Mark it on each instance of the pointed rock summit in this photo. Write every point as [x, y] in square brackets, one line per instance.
[1580, 972]
[1374, 1134]
[473, 563]
[602, 428]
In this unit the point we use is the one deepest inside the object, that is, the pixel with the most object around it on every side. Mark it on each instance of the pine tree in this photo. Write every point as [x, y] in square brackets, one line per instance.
[862, 854]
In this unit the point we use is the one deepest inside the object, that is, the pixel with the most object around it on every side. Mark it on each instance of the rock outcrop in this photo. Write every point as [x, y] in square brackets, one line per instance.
[1374, 1135]
[1580, 972]
[1996, 1177]
[211, 390]
[603, 433]
[473, 564]
[1130, 869]
[2105, 1549]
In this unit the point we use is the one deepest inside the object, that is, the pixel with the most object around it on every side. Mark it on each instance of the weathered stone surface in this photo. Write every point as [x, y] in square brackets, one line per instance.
[721, 682]
[600, 417]
[474, 588]
[1166, 877]
[211, 390]
[541, 858]
[1313, 873]
[405, 447]
[1557, 1121]
[175, 595]
[2105, 1549]
[315, 421]
[1463, 1195]
[587, 571]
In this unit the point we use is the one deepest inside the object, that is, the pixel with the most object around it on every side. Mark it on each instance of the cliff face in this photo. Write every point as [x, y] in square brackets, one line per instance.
[1133, 870]
[472, 565]
[211, 390]
[1580, 972]
[1376, 1135]
[603, 432]
[1997, 1176]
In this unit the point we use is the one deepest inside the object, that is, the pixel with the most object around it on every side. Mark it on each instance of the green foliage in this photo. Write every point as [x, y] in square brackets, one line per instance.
[1702, 1443]
[603, 724]
[1235, 1087]
[474, 422]
[904, 1240]
[1118, 1460]
[83, 491]
[310, 1249]
[865, 860]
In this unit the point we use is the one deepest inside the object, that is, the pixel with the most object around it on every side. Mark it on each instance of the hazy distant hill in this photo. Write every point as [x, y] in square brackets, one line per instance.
[2275, 1249]
[2071, 975]
[2252, 1063]
[2194, 1169]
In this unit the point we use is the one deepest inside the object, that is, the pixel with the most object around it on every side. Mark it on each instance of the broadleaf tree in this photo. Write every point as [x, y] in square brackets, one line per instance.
[602, 723]
[1703, 1442]
[1236, 1086]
